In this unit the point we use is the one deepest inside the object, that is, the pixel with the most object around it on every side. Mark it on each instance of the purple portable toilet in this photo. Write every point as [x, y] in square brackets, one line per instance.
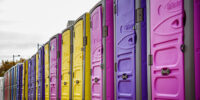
[96, 52]
[18, 90]
[41, 80]
[33, 77]
[125, 50]
[17, 80]
[108, 50]
[55, 67]
[20, 80]
[29, 79]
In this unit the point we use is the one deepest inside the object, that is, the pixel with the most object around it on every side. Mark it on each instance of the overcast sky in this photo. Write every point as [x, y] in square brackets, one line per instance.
[24, 23]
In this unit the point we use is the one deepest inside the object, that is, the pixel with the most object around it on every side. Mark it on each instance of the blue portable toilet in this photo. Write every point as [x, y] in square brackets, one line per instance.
[17, 82]
[12, 72]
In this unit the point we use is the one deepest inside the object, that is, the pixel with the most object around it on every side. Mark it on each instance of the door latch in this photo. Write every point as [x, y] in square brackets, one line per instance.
[165, 71]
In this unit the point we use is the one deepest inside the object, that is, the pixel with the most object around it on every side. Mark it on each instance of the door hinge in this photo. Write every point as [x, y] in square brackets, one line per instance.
[82, 49]
[62, 41]
[58, 54]
[115, 8]
[115, 67]
[73, 74]
[61, 77]
[105, 31]
[182, 47]
[69, 73]
[84, 40]
[71, 48]
[150, 60]
[73, 34]
[184, 18]
[102, 66]
[134, 27]
[139, 15]
[91, 72]
[91, 24]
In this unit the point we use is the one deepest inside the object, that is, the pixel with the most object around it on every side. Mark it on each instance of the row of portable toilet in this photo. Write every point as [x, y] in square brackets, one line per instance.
[13, 83]
[123, 50]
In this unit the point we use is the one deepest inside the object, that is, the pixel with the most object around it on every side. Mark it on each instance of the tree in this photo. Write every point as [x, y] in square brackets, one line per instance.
[7, 65]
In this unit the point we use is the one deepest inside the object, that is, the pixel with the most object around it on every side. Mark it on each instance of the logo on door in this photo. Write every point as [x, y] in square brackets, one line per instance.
[174, 5]
[129, 27]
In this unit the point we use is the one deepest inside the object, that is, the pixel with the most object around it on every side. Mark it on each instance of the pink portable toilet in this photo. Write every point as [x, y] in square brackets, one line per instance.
[174, 49]
[96, 52]
[197, 47]
[55, 67]
[108, 50]
[102, 51]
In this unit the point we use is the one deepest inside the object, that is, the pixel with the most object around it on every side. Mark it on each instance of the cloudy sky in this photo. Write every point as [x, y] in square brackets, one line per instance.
[24, 23]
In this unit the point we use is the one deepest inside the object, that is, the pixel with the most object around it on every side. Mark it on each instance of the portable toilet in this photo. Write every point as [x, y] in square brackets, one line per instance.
[81, 58]
[26, 80]
[108, 50]
[16, 97]
[174, 49]
[9, 84]
[5, 86]
[67, 57]
[12, 74]
[20, 80]
[55, 67]
[41, 77]
[96, 43]
[33, 77]
[1, 88]
[47, 71]
[36, 76]
[23, 80]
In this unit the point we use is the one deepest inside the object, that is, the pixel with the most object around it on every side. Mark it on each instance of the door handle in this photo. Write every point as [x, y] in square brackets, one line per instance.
[96, 79]
[77, 81]
[165, 71]
[124, 76]
[65, 83]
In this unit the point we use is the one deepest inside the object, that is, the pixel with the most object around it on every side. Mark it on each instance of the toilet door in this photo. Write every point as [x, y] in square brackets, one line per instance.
[96, 54]
[125, 50]
[167, 69]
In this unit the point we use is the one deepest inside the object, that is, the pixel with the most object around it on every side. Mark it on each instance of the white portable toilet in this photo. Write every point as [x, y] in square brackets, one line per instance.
[1, 87]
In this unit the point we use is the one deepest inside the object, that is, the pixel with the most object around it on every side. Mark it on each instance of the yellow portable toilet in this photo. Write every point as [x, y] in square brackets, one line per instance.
[46, 61]
[67, 46]
[36, 83]
[23, 80]
[26, 80]
[81, 58]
